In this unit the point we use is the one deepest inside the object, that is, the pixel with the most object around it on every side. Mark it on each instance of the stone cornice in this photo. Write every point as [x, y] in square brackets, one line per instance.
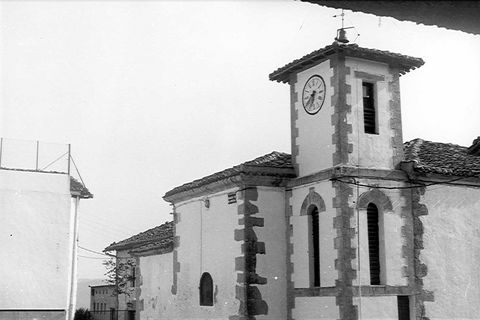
[416, 176]
[346, 171]
[406, 174]
[239, 180]
[152, 251]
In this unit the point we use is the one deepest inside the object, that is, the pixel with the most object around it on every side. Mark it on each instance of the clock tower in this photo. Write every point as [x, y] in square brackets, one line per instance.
[350, 252]
[345, 107]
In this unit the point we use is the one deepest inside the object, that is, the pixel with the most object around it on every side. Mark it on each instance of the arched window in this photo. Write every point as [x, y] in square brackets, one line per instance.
[206, 290]
[314, 246]
[373, 243]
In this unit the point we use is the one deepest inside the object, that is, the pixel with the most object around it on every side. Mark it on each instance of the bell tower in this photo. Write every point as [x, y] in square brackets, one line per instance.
[345, 107]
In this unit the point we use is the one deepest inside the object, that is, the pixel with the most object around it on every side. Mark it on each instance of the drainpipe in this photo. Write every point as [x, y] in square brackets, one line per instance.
[73, 271]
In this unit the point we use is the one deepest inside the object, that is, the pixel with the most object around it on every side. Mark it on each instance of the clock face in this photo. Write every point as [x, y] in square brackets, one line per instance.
[313, 94]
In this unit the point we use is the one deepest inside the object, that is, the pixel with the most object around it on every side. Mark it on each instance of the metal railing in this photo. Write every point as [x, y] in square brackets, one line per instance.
[34, 155]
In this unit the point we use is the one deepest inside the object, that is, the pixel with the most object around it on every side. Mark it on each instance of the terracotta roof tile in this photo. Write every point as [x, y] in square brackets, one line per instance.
[158, 237]
[442, 158]
[272, 164]
[77, 188]
[403, 62]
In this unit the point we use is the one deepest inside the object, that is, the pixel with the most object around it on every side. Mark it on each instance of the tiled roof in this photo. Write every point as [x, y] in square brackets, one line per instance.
[77, 188]
[160, 237]
[434, 157]
[272, 164]
[442, 158]
[403, 62]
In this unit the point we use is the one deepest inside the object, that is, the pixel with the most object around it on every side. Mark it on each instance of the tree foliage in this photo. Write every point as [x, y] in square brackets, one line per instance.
[120, 273]
[82, 314]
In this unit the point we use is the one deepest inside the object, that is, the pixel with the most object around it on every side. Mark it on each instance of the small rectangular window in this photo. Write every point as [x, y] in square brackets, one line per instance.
[369, 112]
[403, 304]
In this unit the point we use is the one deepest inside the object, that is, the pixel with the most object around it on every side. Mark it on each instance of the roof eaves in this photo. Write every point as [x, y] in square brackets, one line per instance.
[274, 164]
[155, 248]
[283, 74]
[162, 232]
[77, 189]
[403, 62]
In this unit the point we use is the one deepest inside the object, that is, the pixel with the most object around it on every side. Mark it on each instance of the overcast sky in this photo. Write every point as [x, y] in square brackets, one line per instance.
[153, 94]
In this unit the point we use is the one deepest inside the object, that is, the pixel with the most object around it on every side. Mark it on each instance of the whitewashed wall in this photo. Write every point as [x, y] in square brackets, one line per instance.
[369, 150]
[207, 244]
[314, 139]
[155, 290]
[272, 264]
[451, 251]
[35, 240]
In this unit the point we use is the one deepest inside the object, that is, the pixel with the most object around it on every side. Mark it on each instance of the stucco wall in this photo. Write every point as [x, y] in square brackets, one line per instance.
[35, 237]
[272, 264]
[377, 308]
[451, 238]
[300, 237]
[370, 150]
[312, 308]
[156, 282]
[206, 244]
[314, 138]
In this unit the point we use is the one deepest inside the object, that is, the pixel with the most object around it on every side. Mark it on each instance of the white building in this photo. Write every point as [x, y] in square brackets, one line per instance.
[354, 224]
[38, 236]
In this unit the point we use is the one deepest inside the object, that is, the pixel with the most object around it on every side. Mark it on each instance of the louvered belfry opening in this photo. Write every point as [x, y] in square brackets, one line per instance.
[369, 114]
[206, 290]
[403, 305]
[373, 243]
[315, 247]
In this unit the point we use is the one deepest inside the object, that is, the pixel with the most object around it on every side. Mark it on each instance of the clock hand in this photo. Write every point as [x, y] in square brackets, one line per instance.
[310, 100]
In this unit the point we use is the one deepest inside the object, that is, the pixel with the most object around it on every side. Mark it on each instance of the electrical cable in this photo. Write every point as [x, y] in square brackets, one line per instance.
[95, 258]
[111, 229]
[93, 251]
[399, 188]
[96, 229]
[359, 279]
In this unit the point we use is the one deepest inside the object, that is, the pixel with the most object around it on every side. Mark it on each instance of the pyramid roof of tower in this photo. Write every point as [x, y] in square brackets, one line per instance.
[404, 63]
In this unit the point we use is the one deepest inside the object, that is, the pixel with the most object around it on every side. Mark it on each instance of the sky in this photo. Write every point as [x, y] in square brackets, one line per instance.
[154, 94]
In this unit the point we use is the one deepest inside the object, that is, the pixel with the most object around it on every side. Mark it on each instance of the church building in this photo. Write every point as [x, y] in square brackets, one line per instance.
[354, 224]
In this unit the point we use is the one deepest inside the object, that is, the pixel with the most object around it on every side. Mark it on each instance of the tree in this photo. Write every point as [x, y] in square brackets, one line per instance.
[82, 314]
[120, 273]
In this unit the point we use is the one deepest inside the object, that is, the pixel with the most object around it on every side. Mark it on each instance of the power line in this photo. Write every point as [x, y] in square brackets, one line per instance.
[91, 257]
[93, 251]
[399, 188]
